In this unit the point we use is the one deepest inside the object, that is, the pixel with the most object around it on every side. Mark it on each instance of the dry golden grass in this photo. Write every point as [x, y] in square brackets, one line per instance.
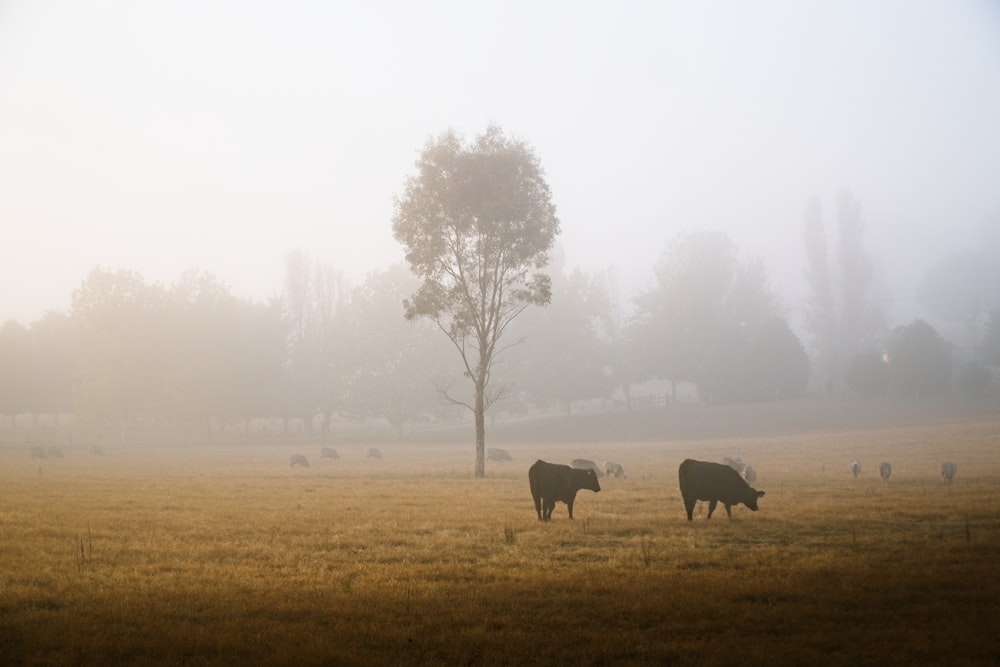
[225, 555]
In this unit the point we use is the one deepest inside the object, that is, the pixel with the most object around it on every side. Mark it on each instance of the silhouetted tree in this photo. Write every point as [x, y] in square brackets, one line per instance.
[50, 386]
[820, 316]
[395, 364]
[477, 223]
[704, 298]
[838, 312]
[314, 293]
[120, 347]
[562, 357]
[919, 360]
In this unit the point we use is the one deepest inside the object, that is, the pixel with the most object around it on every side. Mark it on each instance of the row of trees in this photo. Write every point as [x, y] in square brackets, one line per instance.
[191, 354]
[479, 231]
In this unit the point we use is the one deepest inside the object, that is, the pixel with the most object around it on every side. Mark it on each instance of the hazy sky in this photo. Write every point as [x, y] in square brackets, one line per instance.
[164, 136]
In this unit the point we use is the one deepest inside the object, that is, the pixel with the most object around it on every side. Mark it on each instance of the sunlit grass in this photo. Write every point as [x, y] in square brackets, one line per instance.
[228, 556]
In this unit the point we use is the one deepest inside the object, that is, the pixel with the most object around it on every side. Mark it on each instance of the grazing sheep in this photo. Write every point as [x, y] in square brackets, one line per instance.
[734, 462]
[612, 469]
[855, 467]
[496, 454]
[749, 474]
[328, 453]
[374, 454]
[298, 460]
[885, 470]
[948, 470]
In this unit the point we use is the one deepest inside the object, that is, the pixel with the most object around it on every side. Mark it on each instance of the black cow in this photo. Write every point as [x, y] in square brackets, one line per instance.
[554, 482]
[716, 483]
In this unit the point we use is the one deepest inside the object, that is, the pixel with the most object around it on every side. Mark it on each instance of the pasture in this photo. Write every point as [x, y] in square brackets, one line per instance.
[225, 554]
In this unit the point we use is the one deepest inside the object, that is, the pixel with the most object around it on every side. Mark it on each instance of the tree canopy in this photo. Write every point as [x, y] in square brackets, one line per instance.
[477, 223]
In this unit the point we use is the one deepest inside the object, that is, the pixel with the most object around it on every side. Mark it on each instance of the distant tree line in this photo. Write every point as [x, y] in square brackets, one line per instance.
[192, 358]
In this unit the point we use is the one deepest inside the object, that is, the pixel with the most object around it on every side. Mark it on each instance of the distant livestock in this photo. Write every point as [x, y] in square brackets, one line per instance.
[948, 470]
[716, 483]
[496, 454]
[749, 474]
[855, 467]
[38, 453]
[96, 451]
[612, 469]
[587, 464]
[298, 460]
[56, 452]
[374, 454]
[885, 471]
[734, 462]
[554, 482]
[328, 453]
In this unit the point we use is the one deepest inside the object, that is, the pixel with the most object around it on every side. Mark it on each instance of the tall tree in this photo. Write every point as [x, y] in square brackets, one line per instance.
[838, 313]
[703, 296]
[477, 223]
[856, 275]
[395, 363]
[314, 294]
[563, 357]
[820, 307]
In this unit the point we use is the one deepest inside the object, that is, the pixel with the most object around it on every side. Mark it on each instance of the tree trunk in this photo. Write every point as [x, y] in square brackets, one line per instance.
[480, 426]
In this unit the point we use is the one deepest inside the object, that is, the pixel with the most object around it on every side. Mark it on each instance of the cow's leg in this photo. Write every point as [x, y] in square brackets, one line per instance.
[570, 506]
[547, 508]
[711, 507]
[538, 508]
[689, 504]
[729, 509]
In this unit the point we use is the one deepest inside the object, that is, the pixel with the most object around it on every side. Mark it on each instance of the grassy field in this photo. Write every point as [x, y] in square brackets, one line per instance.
[226, 555]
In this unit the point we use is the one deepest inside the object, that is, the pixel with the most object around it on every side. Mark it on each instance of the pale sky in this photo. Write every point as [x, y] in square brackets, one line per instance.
[166, 136]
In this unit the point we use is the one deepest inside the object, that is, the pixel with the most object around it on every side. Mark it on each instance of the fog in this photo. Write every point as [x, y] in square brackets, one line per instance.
[161, 137]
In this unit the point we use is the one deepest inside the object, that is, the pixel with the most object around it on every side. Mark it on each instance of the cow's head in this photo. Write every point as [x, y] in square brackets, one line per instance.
[751, 498]
[588, 480]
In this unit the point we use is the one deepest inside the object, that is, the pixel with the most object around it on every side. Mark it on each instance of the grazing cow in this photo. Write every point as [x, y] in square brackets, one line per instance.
[734, 462]
[885, 471]
[328, 453]
[749, 474]
[612, 469]
[855, 467]
[298, 460]
[496, 454]
[554, 482]
[56, 452]
[38, 453]
[586, 464]
[716, 483]
[374, 454]
[948, 470]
